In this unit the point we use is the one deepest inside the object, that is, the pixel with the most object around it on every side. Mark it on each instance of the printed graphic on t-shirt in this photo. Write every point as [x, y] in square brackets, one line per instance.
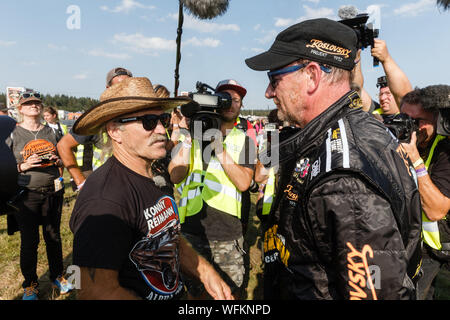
[156, 256]
[42, 148]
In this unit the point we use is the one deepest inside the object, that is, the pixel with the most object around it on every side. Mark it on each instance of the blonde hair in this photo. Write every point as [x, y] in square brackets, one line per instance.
[161, 91]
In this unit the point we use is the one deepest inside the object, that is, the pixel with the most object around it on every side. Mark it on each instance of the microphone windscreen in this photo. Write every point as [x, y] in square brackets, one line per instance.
[347, 12]
[206, 9]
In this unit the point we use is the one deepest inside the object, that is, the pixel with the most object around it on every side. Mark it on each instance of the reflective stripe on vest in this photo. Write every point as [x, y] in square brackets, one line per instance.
[378, 111]
[216, 189]
[269, 192]
[96, 157]
[430, 229]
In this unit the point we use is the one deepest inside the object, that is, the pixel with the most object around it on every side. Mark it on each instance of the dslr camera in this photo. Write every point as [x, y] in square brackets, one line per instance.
[205, 110]
[402, 126]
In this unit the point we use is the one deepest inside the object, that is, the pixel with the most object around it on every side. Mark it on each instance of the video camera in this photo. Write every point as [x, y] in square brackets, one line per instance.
[402, 126]
[205, 110]
[366, 32]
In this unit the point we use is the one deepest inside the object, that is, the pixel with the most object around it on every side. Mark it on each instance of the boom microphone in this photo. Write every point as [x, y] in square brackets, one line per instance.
[347, 12]
[206, 9]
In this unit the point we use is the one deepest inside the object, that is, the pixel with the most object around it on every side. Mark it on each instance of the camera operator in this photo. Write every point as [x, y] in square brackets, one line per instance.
[336, 212]
[213, 191]
[430, 154]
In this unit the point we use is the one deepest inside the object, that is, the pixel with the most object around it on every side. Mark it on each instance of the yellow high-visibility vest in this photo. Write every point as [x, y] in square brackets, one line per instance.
[96, 157]
[430, 230]
[213, 185]
[269, 192]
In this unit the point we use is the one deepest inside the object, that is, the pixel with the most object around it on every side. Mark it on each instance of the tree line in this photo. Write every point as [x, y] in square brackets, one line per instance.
[63, 102]
[73, 104]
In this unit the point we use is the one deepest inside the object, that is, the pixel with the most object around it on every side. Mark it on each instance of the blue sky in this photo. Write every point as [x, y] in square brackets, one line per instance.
[38, 50]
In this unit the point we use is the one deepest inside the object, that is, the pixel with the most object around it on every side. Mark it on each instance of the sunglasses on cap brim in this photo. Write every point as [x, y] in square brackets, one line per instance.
[27, 95]
[149, 121]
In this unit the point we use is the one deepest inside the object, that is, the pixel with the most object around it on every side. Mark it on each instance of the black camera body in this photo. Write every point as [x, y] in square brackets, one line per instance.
[443, 122]
[365, 31]
[402, 126]
[205, 110]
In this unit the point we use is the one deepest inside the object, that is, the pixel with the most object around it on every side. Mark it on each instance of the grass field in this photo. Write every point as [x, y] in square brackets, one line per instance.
[11, 277]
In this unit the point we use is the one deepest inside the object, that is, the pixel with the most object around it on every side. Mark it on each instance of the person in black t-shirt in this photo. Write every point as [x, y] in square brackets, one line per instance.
[430, 154]
[127, 238]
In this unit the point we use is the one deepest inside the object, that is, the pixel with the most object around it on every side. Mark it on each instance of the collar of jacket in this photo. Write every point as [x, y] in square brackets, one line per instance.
[310, 136]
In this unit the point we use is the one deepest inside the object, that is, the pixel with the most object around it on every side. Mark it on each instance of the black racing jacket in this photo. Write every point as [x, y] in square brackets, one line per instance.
[346, 221]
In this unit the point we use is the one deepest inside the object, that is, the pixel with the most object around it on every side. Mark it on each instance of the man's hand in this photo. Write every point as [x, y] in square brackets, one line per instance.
[380, 50]
[411, 148]
[214, 285]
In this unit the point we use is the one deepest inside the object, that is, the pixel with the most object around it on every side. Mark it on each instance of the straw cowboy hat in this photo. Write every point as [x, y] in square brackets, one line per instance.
[128, 96]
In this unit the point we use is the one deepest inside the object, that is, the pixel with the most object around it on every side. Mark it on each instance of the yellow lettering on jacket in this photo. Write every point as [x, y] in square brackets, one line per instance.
[273, 241]
[328, 48]
[358, 272]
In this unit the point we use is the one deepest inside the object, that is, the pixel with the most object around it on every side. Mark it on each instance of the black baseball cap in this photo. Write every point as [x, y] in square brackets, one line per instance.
[322, 40]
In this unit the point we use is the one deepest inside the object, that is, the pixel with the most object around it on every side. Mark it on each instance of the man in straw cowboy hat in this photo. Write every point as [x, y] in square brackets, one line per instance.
[126, 230]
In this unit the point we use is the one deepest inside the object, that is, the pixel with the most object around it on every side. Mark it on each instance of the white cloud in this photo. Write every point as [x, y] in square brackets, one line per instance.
[56, 47]
[140, 43]
[207, 42]
[313, 1]
[257, 50]
[257, 27]
[126, 6]
[7, 43]
[29, 63]
[269, 36]
[152, 45]
[413, 9]
[310, 13]
[81, 76]
[203, 26]
[104, 54]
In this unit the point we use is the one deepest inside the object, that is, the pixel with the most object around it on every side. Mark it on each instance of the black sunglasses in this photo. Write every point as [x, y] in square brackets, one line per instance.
[149, 121]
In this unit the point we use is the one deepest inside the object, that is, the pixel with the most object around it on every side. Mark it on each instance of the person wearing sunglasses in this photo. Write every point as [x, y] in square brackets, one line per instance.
[430, 153]
[127, 238]
[41, 199]
[345, 223]
[90, 152]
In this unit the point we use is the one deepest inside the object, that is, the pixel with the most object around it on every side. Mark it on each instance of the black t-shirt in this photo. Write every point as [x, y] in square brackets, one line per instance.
[122, 221]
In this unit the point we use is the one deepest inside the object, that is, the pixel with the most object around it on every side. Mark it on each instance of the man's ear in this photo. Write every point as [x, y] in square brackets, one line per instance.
[314, 76]
[114, 130]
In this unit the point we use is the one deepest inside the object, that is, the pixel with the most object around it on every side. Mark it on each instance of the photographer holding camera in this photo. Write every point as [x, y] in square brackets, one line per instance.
[430, 153]
[392, 87]
[213, 179]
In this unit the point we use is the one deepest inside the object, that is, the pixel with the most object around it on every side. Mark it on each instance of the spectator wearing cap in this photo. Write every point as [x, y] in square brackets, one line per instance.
[116, 75]
[88, 154]
[346, 200]
[213, 179]
[40, 203]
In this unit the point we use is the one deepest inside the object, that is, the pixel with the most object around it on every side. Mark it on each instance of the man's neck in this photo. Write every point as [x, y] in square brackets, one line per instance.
[227, 126]
[139, 165]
